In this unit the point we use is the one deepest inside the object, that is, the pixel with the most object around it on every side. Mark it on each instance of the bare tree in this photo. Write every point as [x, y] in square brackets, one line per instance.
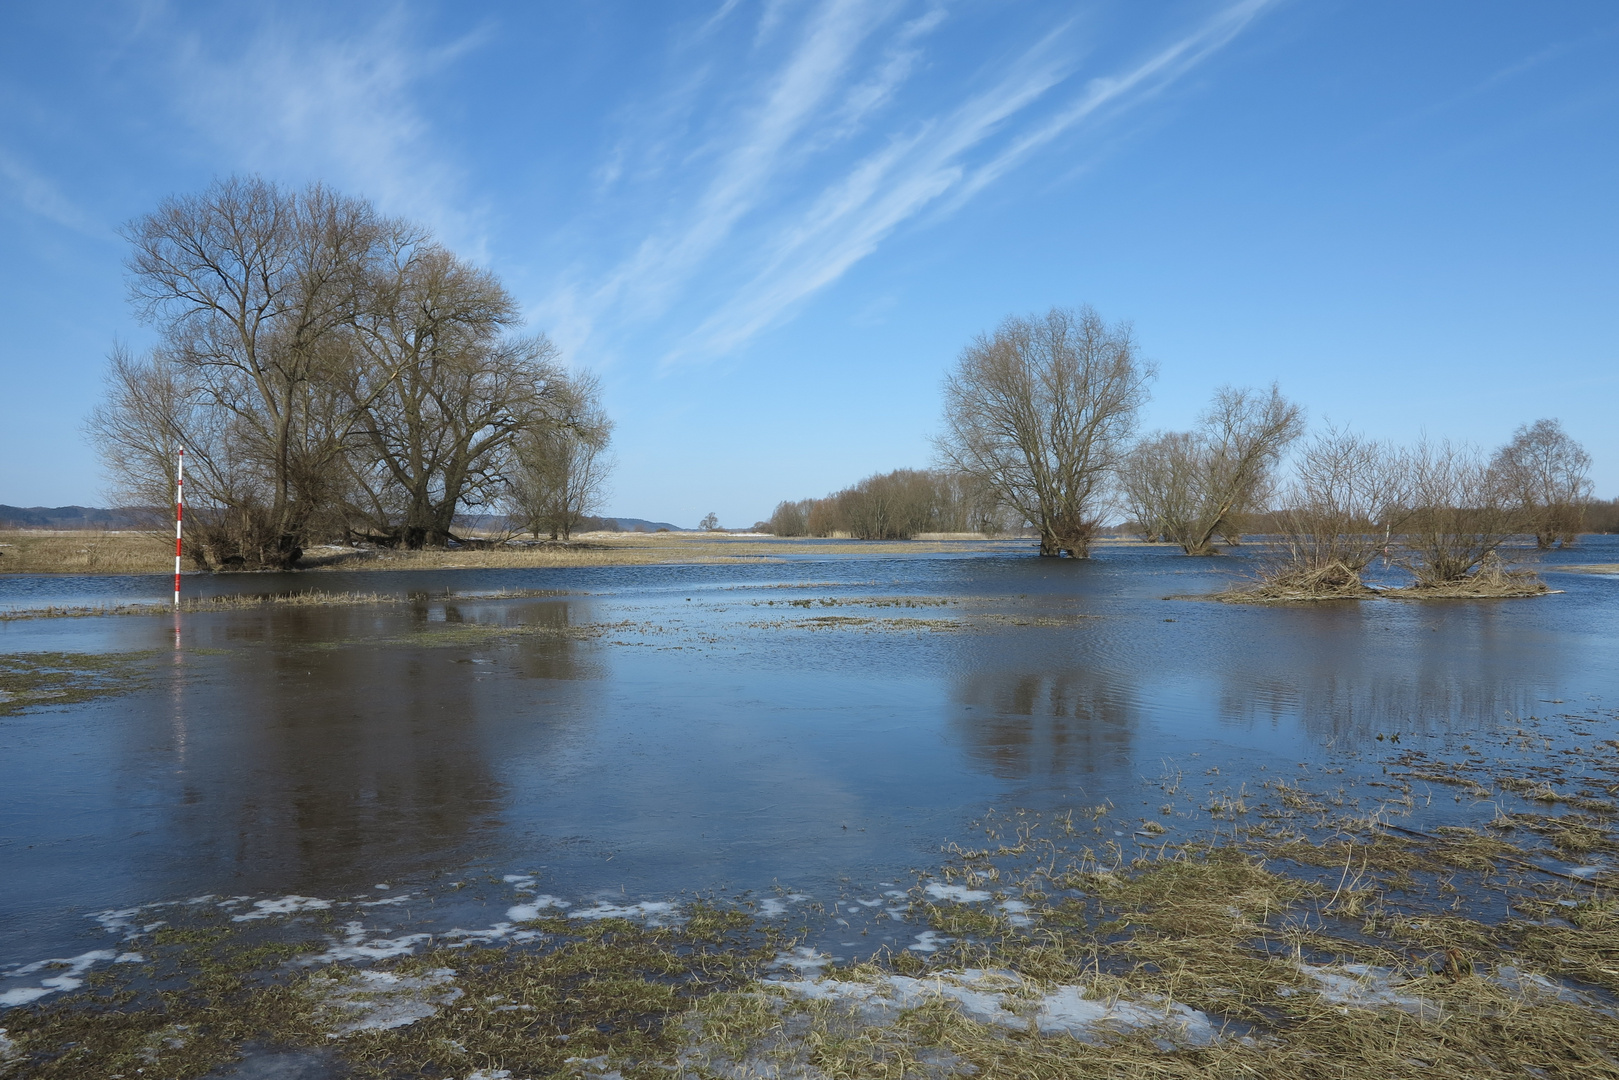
[1346, 504]
[562, 467]
[253, 289]
[791, 518]
[1041, 411]
[710, 522]
[442, 397]
[1460, 514]
[1548, 474]
[1233, 456]
[1156, 483]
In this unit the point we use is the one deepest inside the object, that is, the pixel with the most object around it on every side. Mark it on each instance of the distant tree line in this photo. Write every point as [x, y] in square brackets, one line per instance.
[895, 506]
[335, 373]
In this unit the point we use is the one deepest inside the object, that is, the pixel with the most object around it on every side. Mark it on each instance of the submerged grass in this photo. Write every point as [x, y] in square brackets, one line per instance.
[1264, 955]
[31, 680]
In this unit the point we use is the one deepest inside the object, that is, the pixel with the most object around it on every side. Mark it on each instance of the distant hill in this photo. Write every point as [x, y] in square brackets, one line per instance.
[78, 517]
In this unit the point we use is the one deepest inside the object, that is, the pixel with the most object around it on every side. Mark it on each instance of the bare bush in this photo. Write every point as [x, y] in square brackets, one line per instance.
[1041, 412]
[1459, 514]
[1348, 498]
[1548, 474]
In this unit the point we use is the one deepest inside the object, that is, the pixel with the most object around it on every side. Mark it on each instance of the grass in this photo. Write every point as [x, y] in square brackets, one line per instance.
[30, 680]
[42, 551]
[89, 552]
[1334, 956]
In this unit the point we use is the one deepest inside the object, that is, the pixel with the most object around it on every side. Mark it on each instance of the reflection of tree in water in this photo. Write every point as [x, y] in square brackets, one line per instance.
[1351, 689]
[1026, 724]
[367, 757]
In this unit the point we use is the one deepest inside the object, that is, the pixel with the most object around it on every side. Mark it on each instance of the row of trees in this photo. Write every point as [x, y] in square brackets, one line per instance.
[896, 506]
[332, 372]
[1039, 428]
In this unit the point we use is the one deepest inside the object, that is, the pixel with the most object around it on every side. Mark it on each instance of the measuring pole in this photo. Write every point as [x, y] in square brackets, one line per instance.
[179, 514]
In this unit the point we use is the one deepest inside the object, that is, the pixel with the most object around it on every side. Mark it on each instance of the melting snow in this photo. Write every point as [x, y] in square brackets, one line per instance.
[354, 946]
[68, 976]
[1005, 999]
[286, 905]
[959, 893]
[532, 909]
[382, 1000]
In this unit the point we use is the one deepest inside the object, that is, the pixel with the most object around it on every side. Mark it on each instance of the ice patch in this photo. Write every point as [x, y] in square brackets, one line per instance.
[286, 905]
[501, 931]
[489, 1074]
[354, 946]
[652, 912]
[385, 901]
[1016, 912]
[532, 909]
[803, 960]
[382, 1000]
[1363, 986]
[69, 977]
[1528, 984]
[773, 907]
[870, 903]
[928, 941]
[958, 893]
[129, 958]
[1005, 999]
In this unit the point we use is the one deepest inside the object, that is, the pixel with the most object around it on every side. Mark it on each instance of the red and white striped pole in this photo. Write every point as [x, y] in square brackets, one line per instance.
[179, 514]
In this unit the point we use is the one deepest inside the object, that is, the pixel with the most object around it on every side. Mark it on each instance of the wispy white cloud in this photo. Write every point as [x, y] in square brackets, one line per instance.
[761, 222]
[302, 98]
[38, 194]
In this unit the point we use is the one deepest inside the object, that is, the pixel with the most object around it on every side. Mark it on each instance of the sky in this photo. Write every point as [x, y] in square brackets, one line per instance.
[770, 228]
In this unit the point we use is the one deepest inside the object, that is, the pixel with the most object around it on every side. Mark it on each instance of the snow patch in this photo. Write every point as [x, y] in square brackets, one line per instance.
[68, 976]
[928, 941]
[773, 907]
[354, 946]
[381, 1000]
[532, 909]
[285, 905]
[958, 893]
[652, 912]
[1006, 999]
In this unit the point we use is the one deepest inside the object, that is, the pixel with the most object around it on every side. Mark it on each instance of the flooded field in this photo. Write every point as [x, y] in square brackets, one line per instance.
[818, 741]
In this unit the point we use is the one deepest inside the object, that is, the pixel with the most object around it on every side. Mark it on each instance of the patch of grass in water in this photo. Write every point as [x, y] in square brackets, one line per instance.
[33, 680]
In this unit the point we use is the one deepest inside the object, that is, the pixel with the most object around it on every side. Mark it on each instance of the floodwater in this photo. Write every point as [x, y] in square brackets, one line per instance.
[647, 732]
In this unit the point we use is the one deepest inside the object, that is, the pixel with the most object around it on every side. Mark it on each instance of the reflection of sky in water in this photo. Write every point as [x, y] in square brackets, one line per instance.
[694, 735]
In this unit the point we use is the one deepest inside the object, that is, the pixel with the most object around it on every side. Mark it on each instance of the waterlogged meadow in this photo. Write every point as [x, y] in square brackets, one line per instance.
[834, 813]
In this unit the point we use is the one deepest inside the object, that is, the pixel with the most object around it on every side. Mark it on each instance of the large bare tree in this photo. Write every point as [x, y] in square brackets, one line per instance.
[1041, 411]
[1548, 474]
[253, 289]
[442, 395]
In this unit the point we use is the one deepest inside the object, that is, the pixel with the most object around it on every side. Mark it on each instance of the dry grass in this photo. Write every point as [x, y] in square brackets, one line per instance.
[88, 552]
[41, 551]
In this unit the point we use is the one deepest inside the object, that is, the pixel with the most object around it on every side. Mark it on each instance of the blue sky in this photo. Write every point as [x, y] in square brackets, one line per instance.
[771, 227]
